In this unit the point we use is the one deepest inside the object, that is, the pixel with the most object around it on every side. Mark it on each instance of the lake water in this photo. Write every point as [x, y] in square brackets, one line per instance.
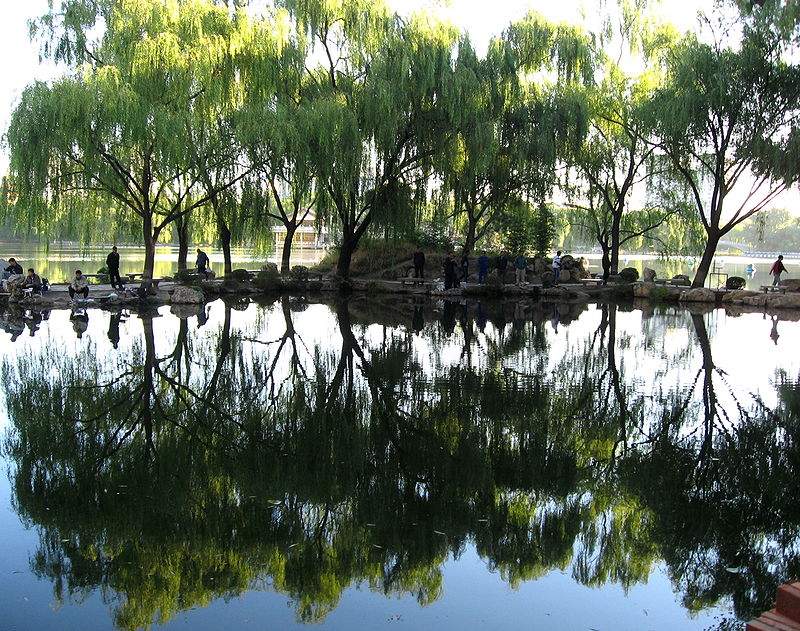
[58, 262]
[360, 465]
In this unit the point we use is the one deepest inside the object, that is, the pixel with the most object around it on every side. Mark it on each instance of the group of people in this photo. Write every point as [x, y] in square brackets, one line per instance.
[456, 271]
[31, 281]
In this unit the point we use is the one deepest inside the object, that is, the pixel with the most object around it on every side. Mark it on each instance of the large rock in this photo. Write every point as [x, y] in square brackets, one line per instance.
[648, 275]
[758, 300]
[791, 284]
[698, 294]
[737, 297]
[642, 290]
[783, 302]
[186, 296]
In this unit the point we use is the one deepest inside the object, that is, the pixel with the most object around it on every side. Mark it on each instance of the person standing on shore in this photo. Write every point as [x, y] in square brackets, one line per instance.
[112, 263]
[502, 266]
[464, 268]
[483, 266]
[777, 268]
[556, 268]
[419, 263]
[520, 266]
[450, 272]
[202, 262]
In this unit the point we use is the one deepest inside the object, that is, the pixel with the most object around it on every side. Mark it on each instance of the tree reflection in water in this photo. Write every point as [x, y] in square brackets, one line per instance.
[235, 459]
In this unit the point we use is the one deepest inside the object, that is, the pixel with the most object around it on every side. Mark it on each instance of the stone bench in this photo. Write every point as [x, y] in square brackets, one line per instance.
[771, 289]
[102, 277]
[410, 280]
[591, 281]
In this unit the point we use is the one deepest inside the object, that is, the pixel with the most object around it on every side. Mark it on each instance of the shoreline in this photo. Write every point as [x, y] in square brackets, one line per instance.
[644, 296]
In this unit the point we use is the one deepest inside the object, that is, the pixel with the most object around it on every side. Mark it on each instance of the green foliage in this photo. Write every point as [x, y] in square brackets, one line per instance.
[520, 228]
[629, 274]
[543, 230]
[299, 273]
[185, 276]
[268, 279]
[735, 282]
[240, 275]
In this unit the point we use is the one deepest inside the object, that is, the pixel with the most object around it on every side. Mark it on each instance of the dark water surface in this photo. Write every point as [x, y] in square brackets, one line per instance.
[366, 465]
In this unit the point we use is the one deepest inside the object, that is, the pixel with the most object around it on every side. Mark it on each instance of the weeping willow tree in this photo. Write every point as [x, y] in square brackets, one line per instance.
[618, 154]
[727, 118]
[384, 101]
[282, 186]
[119, 126]
[515, 126]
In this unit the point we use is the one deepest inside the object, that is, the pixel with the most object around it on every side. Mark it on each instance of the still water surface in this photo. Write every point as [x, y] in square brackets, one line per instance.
[364, 465]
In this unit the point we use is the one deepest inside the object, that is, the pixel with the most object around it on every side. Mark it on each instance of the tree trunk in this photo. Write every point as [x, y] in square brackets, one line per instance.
[615, 223]
[606, 262]
[149, 249]
[708, 256]
[287, 247]
[225, 242]
[469, 241]
[345, 255]
[182, 228]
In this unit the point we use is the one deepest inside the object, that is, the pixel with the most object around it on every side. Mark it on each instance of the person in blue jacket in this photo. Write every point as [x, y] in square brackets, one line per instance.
[483, 266]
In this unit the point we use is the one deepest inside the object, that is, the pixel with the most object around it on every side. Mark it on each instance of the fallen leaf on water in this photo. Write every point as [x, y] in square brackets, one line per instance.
[734, 570]
[439, 532]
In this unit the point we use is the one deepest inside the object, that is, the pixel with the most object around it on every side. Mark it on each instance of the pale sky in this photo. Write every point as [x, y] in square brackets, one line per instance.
[482, 19]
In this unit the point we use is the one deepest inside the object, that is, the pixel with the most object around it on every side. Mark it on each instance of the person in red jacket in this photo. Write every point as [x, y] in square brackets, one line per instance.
[777, 268]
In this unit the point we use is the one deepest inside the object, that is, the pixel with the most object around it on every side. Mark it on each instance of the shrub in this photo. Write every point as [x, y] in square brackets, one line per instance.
[735, 282]
[185, 276]
[299, 273]
[241, 275]
[629, 274]
[268, 279]
[660, 293]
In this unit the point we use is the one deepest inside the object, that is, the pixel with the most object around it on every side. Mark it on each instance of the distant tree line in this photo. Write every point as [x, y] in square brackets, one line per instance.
[195, 119]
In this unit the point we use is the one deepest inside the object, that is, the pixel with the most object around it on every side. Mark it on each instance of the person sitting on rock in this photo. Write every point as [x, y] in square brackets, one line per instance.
[202, 262]
[32, 281]
[79, 285]
[13, 268]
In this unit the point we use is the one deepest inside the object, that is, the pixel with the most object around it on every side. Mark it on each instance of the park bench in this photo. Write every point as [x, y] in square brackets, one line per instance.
[152, 281]
[101, 277]
[769, 289]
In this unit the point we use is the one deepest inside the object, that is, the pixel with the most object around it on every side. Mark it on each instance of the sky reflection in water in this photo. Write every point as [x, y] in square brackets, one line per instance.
[480, 464]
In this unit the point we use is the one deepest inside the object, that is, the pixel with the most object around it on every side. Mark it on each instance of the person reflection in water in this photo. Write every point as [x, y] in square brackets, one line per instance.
[113, 328]
[32, 320]
[202, 317]
[773, 334]
[449, 317]
[555, 317]
[417, 320]
[481, 317]
[80, 321]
